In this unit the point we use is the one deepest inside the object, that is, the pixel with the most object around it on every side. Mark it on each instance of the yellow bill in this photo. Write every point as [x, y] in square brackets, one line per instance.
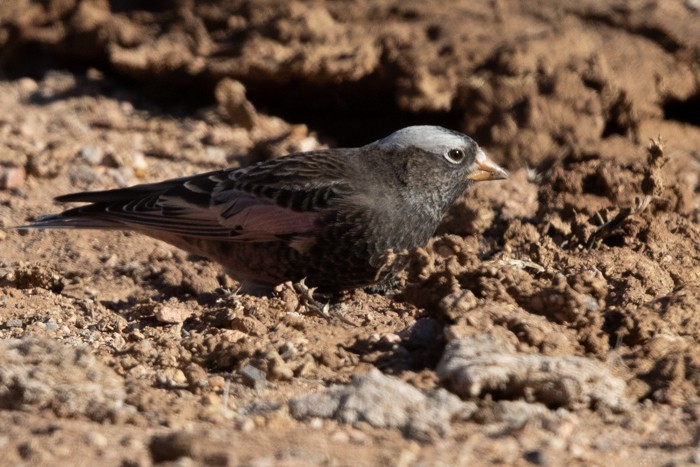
[486, 169]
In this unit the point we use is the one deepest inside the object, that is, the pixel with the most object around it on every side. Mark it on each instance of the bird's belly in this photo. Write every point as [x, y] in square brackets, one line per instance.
[265, 263]
[336, 260]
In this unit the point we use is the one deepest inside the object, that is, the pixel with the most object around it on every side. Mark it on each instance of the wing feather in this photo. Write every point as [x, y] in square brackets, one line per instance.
[272, 200]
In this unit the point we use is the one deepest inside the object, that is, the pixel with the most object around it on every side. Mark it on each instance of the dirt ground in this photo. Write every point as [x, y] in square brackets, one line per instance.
[562, 306]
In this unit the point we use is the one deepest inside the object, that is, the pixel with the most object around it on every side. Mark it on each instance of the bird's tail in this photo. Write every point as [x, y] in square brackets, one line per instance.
[84, 217]
[96, 215]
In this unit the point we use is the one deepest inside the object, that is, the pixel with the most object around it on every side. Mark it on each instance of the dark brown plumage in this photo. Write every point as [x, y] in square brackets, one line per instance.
[328, 216]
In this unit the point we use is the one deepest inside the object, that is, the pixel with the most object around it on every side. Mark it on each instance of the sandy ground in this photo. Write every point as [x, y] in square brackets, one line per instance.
[554, 318]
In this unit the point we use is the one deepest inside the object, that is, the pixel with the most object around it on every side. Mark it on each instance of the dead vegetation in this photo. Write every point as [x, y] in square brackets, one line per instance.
[562, 304]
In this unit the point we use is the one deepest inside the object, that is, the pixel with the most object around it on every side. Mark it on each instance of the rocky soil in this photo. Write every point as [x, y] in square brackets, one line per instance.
[554, 318]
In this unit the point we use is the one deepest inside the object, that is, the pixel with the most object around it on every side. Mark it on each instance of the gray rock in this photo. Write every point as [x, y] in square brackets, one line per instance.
[385, 402]
[482, 364]
[253, 377]
[38, 374]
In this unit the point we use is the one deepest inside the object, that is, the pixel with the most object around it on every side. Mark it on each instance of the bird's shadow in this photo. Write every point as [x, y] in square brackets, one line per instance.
[164, 290]
[421, 346]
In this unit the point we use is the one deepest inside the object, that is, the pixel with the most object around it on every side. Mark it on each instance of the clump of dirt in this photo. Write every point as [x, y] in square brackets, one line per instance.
[595, 277]
[44, 374]
[589, 253]
[383, 401]
[476, 66]
[30, 276]
[483, 363]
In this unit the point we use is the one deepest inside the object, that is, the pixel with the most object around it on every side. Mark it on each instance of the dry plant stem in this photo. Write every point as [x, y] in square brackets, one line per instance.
[652, 187]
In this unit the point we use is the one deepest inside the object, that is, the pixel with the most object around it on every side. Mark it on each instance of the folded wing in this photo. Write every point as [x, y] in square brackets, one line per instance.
[279, 199]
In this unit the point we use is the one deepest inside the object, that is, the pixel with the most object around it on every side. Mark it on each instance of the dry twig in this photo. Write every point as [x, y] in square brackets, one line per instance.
[652, 187]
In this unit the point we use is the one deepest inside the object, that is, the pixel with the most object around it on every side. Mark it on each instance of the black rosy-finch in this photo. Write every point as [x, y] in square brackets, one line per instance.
[331, 216]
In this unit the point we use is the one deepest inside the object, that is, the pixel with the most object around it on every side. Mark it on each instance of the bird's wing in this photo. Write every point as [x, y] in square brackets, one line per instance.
[275, 199]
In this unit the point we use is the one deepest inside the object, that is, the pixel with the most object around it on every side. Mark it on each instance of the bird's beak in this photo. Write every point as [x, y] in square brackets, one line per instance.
[486, 169]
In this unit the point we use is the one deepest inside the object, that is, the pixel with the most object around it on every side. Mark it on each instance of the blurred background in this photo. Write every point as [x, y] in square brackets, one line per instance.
[528, 77]
[575, 284]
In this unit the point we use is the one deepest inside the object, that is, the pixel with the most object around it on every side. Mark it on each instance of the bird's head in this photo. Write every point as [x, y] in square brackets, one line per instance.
[438, 161]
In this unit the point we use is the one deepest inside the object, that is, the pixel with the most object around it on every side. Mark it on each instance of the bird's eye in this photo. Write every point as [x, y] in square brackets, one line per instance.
[455, 156]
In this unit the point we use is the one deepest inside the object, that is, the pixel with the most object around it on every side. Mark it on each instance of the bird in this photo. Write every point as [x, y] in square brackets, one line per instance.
[333, 218]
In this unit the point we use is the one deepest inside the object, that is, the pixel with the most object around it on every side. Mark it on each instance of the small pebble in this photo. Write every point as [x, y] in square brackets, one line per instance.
[96, 439]
[91, 154]
[110, 261]
[247, 425]
[391, 339]
[694, 457]
[316, 423]
[252, 377]
[27, 86]
[288, 351]
[278, 369]
[692, 5]
[172, 377]
[536, 457]
[139, 164]
[197, 377]
[577, 451]
[171, 314]
[172, 446]
[424, 331]
[13, 323]
[19, 192]
[358, 437]
[340, 437]
[211, 399]
[230, 95]
[217, 382]
[216, 155]
[12, 178]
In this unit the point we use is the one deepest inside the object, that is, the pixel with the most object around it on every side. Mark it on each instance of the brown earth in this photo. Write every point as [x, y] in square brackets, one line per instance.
[117, 349]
